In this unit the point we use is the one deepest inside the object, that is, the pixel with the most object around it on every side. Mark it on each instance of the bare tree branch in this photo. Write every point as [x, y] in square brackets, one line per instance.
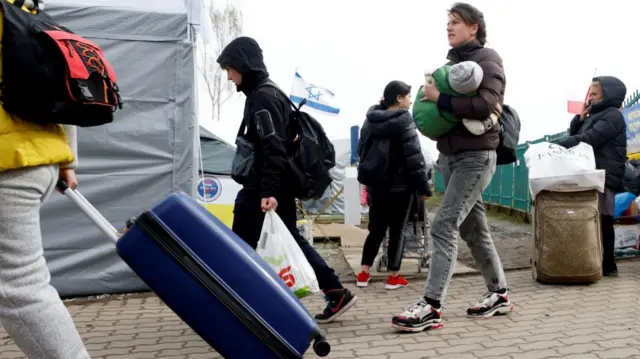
[227, 25]
[227, 98]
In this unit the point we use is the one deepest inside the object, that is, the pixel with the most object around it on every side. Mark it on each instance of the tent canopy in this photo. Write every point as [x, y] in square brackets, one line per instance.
[148, 152]
[158, 20]
[217, 154]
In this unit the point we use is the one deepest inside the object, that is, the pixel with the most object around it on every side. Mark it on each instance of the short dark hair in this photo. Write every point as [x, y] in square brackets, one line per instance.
[471, 16]
[392, 91]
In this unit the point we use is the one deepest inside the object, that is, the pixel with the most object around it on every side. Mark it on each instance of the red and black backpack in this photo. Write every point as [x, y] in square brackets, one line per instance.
[51, 75]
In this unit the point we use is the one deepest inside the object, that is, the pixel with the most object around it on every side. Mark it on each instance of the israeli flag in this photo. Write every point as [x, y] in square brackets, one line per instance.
[318, 98]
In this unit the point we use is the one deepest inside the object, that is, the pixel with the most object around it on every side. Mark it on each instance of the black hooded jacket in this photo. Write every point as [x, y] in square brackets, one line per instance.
[266, 115]
[605, 130]
[409, 171]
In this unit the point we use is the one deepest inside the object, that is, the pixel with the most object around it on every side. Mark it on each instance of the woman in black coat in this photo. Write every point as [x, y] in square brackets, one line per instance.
[602, 126]
[393, 168]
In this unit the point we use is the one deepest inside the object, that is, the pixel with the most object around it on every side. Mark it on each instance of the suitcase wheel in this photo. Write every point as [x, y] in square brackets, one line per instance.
[321, 347]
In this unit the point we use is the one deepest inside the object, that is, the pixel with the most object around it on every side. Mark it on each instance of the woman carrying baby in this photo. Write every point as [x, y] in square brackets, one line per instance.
[467, 163]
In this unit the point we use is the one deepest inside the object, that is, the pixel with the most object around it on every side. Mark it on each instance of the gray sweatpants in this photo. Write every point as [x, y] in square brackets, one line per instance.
[30, 308]
[461, 211]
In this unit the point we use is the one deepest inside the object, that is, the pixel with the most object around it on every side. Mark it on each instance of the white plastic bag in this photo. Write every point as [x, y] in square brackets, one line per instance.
[627, 237]
[278, 248]
[555, 168]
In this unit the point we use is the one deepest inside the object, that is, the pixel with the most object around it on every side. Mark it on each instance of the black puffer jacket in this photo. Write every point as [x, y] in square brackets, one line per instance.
[266, 116]
[409, 171]
[606, 131]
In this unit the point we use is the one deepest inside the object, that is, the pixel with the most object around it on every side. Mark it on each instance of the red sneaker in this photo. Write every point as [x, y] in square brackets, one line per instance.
[363, 279]
[396, 282]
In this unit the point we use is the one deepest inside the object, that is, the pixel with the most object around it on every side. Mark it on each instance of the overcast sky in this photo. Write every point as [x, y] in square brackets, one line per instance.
[354, 48]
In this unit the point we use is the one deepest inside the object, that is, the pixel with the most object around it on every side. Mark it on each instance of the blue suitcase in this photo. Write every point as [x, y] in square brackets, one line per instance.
[213, 280]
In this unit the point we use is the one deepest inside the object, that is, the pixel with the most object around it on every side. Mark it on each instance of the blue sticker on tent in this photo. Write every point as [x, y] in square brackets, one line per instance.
[209, 189]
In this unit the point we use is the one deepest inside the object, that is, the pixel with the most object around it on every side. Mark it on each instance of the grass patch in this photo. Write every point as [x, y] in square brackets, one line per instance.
[433, 203]
[506, 215]
[494, 212]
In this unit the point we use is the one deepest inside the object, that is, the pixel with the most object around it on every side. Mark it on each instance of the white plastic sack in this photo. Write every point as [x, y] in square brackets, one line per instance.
[627, 242]
[278, 248]
[555, 168]
[627, 236]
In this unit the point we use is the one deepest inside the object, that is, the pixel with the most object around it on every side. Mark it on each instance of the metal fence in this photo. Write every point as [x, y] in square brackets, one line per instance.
[510, 184]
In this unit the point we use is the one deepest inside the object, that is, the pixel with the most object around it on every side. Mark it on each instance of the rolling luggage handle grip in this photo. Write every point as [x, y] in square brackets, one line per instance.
[89, 210]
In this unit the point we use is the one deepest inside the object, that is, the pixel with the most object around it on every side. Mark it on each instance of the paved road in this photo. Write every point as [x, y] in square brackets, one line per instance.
[585, 322]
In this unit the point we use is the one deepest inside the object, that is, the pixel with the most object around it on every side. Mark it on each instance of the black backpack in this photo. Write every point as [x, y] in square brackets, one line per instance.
[311, 155]
[509, 136]
[375, 167]
[51, 75]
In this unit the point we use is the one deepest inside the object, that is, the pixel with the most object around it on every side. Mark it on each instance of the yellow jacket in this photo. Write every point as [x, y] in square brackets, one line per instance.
[25, 144]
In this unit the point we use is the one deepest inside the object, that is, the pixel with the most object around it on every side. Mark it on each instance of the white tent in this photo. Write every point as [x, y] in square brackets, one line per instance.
[145, 154]
[329, 203]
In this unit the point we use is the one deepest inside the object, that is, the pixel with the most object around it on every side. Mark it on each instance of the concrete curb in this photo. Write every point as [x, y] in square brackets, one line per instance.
[103, 298]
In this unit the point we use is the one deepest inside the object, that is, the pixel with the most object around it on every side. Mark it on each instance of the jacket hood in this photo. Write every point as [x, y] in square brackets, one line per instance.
[613, 92]
[244, 55]
[382, 122]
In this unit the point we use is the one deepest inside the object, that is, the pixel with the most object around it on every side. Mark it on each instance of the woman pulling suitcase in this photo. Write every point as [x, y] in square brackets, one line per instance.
[32, 159]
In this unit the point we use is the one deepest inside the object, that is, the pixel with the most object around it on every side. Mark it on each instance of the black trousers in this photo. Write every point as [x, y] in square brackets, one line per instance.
[608, 244]
[388, 210]
[247, 224]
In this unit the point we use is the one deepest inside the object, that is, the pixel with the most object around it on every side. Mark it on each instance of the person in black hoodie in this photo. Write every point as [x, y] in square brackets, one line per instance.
[394, 169]
[266, 121]
[602, 126]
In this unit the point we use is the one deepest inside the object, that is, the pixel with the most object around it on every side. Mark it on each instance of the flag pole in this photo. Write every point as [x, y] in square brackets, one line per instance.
[595, 71]
[293, 83]
[293, 80]
[586, 97]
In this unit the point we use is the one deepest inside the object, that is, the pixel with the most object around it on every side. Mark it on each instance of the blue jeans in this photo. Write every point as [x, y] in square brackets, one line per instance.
[461, 211]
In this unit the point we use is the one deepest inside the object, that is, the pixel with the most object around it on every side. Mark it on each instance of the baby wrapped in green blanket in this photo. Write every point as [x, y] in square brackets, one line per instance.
[460, 80]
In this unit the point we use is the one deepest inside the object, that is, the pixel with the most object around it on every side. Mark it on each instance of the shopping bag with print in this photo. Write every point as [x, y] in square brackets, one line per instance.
[278, 248]
[557, 169]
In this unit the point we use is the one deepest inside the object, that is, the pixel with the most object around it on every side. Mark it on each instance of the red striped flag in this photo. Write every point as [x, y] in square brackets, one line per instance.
[575, 107]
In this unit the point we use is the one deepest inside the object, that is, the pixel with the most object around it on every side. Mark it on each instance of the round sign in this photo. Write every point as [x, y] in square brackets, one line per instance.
[209, 189]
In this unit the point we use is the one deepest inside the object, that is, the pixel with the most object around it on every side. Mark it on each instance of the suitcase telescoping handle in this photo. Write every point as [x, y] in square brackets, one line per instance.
[89, 210]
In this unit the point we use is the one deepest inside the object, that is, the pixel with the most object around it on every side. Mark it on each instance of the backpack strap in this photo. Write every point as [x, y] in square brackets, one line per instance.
[272, 84]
